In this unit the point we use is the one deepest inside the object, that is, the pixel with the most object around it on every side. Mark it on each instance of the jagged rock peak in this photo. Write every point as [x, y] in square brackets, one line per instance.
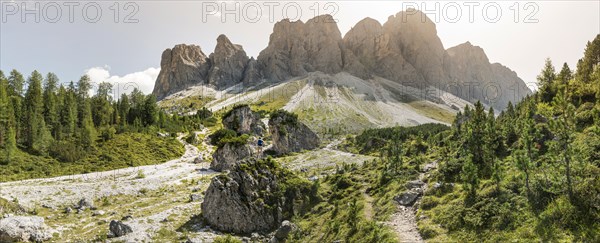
[296, 48]
[228, 64]
[180, 67]
[468, 49]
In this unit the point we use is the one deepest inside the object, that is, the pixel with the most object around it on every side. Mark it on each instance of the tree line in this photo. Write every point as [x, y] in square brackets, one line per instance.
[41, 116]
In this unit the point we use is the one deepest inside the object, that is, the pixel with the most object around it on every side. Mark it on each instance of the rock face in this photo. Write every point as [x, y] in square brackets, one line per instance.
[181, 67]
[23, 229]
[290, 135]
[244, 121]
[187, 65]
[229, 155]
[228, 62]
[118, 229]
[404, 49]
[493, 84]
[243, 201]
[296, 48]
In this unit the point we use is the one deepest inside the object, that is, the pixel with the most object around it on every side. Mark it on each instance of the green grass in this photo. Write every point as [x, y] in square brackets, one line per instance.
[278, 97]
[124, 150]
[432, 111]
[189, 103]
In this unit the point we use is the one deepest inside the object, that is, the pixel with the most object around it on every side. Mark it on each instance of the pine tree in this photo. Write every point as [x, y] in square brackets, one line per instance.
[565, 74]
[123, 109]
[51, 111]
[101, 105]
[16, 81]
[526, 155]
[150, 111]
[562, 127]
[33, 107]
[4, 104]
[68, 111]
[545, 81]
[83, 89]
[87, 136]
[591, 58]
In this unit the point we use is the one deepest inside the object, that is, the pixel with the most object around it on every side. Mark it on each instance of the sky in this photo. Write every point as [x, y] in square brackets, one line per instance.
[122, 41]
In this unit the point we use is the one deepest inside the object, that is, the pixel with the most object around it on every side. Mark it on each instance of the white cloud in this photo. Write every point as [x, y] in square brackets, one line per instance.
[143, 80]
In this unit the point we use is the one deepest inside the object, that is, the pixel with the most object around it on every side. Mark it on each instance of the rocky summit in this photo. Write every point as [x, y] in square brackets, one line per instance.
[405, 49]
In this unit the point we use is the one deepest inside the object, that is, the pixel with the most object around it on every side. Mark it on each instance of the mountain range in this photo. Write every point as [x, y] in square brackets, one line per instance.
[405, 50]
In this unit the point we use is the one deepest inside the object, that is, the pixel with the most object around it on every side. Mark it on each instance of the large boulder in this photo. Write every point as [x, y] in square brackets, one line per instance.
[228, 156]
[290, 135]
[244, 201]
[24, 229]
[118, 229]
[244, 121]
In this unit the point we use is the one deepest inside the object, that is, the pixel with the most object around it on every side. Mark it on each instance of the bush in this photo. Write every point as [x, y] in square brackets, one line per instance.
[221, 134]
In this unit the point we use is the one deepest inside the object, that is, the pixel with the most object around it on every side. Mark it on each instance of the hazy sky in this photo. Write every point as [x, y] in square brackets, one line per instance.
[124, 43]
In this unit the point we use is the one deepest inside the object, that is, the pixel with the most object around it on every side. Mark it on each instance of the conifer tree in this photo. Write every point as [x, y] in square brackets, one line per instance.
[51, 111]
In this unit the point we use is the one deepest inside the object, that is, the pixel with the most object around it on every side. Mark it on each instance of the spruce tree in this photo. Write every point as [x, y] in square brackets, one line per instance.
[562, 127]
[50, 103]
[16, 81]
[33, 107]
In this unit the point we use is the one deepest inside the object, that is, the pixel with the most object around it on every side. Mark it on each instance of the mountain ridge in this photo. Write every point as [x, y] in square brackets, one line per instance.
[404, 49]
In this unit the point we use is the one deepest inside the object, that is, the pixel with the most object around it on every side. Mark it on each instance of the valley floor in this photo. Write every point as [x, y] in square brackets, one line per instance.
[156, 201]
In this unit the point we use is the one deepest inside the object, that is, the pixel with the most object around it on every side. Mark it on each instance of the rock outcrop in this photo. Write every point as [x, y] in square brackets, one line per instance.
[296, 48]
[186, 65]
[24, 229]
[378, 53]
[228, 62]
[290, 135]
[181, 67]
[244, 200]
[244, 121]
[229, 155]
[493, 84]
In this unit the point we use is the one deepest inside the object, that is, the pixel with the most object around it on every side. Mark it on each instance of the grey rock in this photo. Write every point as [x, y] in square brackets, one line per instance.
[195, 197]
[297, 48]
[98, 213]
[227, 156]
[244, 121]
[118, 229]
[408, 198]
[68, 210]
[290, 135]
[243, 201]
[24, 229]
[85, 203]
[430, 166]
[284, 230]
[493, 84]
[198, 159]
[228, 62]
[414, 184]
[181, 67]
